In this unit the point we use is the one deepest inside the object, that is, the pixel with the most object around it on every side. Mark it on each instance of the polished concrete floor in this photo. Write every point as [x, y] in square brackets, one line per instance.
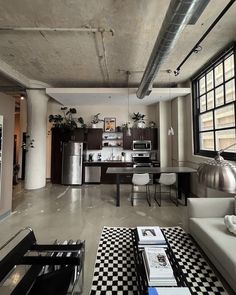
[72, 212]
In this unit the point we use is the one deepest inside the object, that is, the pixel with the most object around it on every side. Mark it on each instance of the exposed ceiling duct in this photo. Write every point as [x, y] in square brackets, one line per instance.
[179, 14]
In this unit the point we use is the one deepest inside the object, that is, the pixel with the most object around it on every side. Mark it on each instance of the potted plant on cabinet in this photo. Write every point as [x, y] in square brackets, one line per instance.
[68, 121]
[96, 120]
[138, 119]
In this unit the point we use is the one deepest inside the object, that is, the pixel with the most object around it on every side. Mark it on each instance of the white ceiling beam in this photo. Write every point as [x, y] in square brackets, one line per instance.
[113, 96]
[13, 74]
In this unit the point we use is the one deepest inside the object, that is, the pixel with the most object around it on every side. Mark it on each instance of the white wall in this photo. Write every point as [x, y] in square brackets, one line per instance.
[120, 112]
[7, 110]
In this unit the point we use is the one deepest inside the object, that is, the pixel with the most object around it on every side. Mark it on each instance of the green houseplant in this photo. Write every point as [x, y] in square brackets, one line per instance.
[96, 120]
[67, 121]
[138, 119]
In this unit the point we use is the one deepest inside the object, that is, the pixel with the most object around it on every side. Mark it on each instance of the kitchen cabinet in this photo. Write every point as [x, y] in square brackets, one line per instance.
[77, 134]
[154, 138]
[127, 140]
[143, 133]
[94, 138]
[102, 167]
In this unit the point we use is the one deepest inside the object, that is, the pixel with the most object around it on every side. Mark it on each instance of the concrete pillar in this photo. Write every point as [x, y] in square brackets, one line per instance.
[35, 169]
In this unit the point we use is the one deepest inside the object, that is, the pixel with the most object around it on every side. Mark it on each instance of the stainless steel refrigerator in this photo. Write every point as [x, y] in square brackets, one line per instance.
[72, 159]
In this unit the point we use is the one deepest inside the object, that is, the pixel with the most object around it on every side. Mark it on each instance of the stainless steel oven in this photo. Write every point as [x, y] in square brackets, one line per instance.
[141, 159]
[142, 145]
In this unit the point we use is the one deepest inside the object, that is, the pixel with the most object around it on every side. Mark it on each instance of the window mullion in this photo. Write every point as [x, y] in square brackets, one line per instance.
[225, 119]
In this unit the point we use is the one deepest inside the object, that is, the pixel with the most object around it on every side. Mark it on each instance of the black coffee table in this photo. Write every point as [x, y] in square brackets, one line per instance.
[140, 268]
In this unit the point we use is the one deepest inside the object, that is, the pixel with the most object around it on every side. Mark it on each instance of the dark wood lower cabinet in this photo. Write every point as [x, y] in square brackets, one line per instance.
[109, 178]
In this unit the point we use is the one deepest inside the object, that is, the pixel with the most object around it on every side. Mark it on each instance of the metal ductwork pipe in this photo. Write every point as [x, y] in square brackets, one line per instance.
[179, 14]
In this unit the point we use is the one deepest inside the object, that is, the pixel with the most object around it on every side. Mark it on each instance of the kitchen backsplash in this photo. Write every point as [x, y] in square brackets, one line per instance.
[109, 154]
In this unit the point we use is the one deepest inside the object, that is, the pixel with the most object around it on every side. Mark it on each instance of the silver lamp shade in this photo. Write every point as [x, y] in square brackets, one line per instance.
[218, 174]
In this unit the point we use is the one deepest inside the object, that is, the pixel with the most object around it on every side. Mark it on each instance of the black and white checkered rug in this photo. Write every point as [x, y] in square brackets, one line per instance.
[115, 271]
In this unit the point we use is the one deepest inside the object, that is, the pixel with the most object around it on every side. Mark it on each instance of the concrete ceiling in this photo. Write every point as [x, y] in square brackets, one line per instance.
[76, 59]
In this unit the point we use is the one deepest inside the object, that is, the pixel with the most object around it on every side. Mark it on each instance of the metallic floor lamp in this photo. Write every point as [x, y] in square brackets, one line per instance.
[218, 173]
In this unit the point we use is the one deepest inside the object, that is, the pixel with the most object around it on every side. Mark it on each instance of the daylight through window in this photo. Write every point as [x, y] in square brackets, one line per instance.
[214, 106]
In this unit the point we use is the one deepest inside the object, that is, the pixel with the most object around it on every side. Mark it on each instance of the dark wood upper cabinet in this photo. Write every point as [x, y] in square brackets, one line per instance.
[127, 140]
[154, 138]
[77, 134]
[94, 138]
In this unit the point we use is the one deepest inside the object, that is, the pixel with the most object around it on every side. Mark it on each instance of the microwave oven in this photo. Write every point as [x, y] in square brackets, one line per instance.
[142, 145]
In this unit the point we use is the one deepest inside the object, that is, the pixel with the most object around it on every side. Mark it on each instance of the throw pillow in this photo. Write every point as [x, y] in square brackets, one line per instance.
[230, 222]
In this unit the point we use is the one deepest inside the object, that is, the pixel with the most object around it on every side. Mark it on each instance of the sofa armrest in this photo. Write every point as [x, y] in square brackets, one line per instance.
[210, 207]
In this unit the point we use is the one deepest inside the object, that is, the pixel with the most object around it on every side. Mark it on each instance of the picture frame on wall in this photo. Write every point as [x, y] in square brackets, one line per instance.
[109, 124]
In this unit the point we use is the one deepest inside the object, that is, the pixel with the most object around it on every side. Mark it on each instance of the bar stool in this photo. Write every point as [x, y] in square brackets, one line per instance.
[141, 180]
[168, 180]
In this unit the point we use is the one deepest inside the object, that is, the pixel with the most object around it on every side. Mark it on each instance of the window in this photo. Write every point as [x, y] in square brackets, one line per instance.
[214, 106]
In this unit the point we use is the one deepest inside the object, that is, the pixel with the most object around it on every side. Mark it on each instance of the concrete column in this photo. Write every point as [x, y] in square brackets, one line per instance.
[35, 169]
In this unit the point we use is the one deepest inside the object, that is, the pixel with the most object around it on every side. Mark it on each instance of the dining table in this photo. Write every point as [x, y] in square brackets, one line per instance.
[183, 184]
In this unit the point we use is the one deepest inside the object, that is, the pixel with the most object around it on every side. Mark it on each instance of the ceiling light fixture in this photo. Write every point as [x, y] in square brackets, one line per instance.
[128, 132]
[22, 97]
[171, 129]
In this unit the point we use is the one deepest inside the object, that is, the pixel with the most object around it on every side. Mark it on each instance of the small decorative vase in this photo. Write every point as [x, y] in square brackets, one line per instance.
[94, 125]
[140, 125]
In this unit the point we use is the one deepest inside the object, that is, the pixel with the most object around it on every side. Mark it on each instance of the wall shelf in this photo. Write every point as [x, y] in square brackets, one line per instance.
[116, 138]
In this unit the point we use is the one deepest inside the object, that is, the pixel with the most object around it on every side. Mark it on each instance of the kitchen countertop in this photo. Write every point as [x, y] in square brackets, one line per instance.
[106, 161]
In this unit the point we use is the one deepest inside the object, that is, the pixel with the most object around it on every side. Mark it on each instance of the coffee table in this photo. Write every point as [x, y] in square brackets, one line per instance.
[118, 271]
[140, 268]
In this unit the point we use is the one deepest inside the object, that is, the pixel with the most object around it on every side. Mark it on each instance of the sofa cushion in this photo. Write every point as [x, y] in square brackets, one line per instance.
[213, 236]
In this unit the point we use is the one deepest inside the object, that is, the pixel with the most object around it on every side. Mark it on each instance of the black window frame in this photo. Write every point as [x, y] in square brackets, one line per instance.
[217, 59]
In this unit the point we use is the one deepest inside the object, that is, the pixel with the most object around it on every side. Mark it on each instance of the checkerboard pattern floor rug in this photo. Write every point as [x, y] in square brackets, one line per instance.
[115, 271]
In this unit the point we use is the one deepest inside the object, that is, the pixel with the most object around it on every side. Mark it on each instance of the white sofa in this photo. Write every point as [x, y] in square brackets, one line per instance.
[206, 226]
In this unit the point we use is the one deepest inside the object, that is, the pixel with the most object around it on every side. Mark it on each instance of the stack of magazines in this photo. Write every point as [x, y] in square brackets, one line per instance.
[150, 236]
[169, 291]
[158, 269]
